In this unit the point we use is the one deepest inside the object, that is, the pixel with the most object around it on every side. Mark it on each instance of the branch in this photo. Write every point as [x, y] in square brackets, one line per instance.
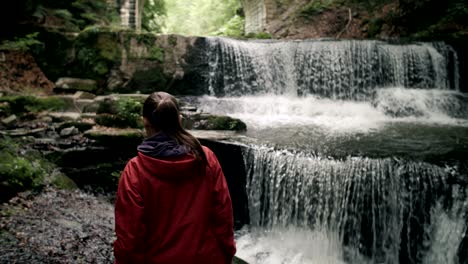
[347, 25]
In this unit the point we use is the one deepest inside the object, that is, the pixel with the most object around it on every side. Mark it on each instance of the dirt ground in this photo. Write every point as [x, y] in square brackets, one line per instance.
[57, 226]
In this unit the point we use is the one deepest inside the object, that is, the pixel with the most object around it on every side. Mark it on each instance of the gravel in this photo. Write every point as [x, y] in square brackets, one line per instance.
[57, 226]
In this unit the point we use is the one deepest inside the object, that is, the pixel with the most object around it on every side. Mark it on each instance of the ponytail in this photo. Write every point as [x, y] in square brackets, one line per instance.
[162, 111]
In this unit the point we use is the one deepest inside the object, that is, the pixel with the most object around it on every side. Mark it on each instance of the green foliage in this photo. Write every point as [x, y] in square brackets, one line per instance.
[130, 110]
[97, 50]
[199, 17]
[233, 28]
[154, 13]
[21, 170]
[153, 52]
[92, 12]
[63, 13]
[375, 26]
[21, 43]
[31, 104]
[125, 112]
[259, 35]
[459, 11]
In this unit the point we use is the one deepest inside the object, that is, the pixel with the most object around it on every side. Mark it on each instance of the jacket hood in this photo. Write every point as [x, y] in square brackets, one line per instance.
[174, 168]
[162, 146]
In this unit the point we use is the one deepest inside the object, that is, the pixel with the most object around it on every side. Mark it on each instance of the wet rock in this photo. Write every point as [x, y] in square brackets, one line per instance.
[71, 85]
[20, 132]
[86, 105]
[110, 136]
[83, 95]
[10, 121]
[69, 131]
[212, 122]
[64, 116]
[81, 125]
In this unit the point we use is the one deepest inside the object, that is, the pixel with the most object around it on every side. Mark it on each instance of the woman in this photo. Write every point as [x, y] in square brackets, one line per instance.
[173, 204]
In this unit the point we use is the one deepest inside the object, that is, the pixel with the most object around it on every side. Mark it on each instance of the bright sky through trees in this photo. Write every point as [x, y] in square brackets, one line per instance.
[199, 17]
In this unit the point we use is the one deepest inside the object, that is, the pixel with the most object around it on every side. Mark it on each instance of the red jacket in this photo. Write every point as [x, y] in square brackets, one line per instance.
[173, 211]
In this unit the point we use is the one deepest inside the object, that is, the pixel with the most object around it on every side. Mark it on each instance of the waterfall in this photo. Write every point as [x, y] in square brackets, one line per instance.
[356, 145]
[384, 209]
[349, 69]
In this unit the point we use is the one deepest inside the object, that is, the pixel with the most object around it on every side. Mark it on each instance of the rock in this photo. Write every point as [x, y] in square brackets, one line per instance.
[115, 137]
[69, 131]
[9, 121]
[45, 119]
[212, 122]
[188, 108]
[45, 141]
[64, 116]
[86, 105]
[75, 84]
[81, 125]
[83, 95]
[237, 260]
[20, 132]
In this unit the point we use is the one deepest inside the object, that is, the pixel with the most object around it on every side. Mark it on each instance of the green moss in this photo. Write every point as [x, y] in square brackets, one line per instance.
[374, 27]
[259, 35]
[61, 181]
[156, 53]
[172, 40]
[31, 104]
[108, 47]
[109, 137]
[97, 51]
[19, 169]
[148, 40]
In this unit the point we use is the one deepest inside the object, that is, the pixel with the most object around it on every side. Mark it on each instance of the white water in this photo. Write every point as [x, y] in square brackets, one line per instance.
[334, 69]
[289, 246]
[441, 107]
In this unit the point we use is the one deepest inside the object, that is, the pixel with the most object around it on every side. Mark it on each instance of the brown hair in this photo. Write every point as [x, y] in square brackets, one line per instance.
[162, 111]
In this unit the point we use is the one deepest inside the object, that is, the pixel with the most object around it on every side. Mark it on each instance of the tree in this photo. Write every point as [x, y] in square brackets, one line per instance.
[154, 15]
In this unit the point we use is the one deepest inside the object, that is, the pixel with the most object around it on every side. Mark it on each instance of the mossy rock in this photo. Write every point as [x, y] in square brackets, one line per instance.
[213, 122]
[61, 181]
[21, 105]
[115, 137]
[120, 112]
[109, 120]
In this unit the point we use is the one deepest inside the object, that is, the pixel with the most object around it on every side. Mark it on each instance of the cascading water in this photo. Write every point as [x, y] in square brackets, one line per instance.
[334, 69]
[359, 153]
